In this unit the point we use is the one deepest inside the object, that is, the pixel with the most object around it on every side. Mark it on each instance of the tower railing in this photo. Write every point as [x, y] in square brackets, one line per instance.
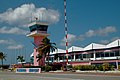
[37, 32]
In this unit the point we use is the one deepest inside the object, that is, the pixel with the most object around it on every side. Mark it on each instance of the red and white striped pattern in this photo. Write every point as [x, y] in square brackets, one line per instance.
[66, 32]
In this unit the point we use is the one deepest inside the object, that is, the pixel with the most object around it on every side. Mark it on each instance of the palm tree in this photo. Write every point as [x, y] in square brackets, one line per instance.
[39, 57]
[2, 57]
[21, 59]
[45, 48]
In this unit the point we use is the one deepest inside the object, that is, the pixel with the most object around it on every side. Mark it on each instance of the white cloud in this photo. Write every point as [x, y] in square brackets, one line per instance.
[99, 32]
[9, 41]
[15, 46]
[6, 41]
[115, 38]
[81, 37]
[104, 41]
[14, 30]
[22, 15]
[110, 40]
[71, 38]
[90, 33]
[12, 44]
[106, 30]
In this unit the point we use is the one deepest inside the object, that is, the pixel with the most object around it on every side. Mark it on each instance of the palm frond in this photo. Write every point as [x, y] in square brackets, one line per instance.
[3, 56]
[39, 57]
[20, 58]
[45, 48]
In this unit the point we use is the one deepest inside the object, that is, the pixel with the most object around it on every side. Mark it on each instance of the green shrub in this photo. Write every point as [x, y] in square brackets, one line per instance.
[118, 67]
[112, 67]
[48, 68]
[103, 67]
[75, 67]
[84, 67]
[69, 66]
[106, 66]
[100, 67]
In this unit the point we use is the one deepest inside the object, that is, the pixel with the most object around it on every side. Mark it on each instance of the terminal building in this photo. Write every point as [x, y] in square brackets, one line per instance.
[92, 54]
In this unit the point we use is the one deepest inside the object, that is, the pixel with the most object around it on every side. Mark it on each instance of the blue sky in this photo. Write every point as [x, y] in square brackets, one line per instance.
[88, 21]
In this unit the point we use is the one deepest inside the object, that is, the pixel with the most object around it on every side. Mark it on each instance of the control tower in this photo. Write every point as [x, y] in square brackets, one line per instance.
[38, 31]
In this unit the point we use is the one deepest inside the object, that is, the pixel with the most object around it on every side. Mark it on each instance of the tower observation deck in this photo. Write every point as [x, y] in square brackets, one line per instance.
[38, 28]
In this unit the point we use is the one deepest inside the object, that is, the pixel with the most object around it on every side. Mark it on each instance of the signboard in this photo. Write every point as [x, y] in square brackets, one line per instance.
[28, 70]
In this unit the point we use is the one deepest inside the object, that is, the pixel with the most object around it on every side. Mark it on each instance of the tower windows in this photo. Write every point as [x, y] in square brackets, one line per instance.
[38, 28]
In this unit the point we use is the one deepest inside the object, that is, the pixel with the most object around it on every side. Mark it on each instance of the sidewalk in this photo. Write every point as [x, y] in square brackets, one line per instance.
[109, 73]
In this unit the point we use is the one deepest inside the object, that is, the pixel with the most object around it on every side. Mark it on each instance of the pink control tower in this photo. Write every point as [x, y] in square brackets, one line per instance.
[38, 31]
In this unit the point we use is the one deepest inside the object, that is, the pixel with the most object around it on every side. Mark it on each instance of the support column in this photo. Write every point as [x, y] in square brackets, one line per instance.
[74, 58]
[94, 54]
[117, 66]
[58, 59]
[119, 51]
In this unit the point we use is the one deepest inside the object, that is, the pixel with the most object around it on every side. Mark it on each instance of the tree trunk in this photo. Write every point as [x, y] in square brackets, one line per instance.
[22, 65]
[41, 62]
[2, 63]
[48, 58]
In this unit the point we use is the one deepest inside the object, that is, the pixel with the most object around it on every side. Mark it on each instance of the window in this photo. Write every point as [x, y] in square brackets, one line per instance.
[98, 54]
[112, 54]
[69, 57]
[64, 57]
[42, 27]
[106, 54]
[77, 56]
[84, 55]
[38, 27]
[32, 28]
[61, 57]
[102, 55]
[52, 59]
[91, 55]
[117, 53]
[80, 56]
[72, 56]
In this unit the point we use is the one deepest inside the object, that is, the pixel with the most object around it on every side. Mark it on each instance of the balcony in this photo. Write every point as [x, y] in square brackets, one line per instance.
[37, 33]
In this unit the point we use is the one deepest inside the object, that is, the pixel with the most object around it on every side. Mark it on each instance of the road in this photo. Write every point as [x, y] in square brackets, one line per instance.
[55, 76]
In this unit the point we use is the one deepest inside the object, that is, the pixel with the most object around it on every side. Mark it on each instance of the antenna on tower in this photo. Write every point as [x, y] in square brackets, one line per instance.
[41, 15]
[31, 18]
[66, 31]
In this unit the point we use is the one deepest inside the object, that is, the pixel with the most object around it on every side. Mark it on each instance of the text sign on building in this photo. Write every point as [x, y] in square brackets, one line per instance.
[28, 70]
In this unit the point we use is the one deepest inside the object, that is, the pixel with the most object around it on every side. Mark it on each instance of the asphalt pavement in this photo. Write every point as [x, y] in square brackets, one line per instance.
[55, 76]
